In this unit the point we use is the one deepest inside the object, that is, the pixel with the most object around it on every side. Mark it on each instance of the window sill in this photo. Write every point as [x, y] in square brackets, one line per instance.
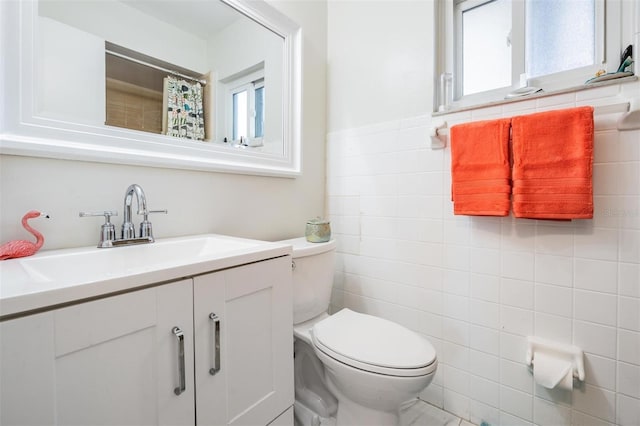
[537, 95]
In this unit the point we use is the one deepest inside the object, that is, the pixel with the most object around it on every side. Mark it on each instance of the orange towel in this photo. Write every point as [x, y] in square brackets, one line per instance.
[480, 173]
[553, 164]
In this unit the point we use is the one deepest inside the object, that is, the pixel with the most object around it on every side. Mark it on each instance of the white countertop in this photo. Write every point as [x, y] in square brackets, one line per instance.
[57, 277]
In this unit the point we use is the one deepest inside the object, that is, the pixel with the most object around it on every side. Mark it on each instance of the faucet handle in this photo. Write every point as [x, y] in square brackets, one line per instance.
[147, 212]
[145, 226]
[107, 230]
[107, 214]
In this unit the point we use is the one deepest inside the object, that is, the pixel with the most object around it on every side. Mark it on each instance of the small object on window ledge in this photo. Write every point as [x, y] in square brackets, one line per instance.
[608, 76]
[625, 64]
[523, 91]
[626, 58]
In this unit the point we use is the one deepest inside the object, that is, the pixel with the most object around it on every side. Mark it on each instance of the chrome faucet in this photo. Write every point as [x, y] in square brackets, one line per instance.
[128, 236]
[128, 230]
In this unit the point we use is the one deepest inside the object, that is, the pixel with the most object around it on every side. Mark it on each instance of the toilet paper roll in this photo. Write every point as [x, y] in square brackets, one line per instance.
[552, 371]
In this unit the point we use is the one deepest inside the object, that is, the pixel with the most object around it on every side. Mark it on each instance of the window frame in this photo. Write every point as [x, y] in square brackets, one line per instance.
[449, 53]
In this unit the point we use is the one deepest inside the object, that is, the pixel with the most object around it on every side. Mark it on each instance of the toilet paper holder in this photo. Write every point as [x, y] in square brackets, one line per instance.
[538, 344]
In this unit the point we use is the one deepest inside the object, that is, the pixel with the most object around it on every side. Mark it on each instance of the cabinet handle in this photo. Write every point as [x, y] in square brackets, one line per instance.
[180, 335]
[216, 343]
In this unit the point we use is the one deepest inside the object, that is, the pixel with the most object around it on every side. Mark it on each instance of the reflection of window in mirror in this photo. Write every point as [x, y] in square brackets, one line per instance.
[555, 44]
[240, 115]
[144, 93]
[245, 104]
[258, 119]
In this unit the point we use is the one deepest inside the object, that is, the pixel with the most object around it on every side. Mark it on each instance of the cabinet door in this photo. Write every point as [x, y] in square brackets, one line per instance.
[109, 361]
[27, 371]
[255, 381]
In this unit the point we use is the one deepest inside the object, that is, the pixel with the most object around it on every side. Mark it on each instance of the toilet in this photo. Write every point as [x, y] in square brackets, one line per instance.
[350, 368]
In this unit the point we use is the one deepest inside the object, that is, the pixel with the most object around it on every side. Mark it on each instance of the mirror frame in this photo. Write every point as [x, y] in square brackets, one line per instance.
[24, 133]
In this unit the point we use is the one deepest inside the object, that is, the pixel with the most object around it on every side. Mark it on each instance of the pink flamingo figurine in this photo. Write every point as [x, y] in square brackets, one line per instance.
[22, 248]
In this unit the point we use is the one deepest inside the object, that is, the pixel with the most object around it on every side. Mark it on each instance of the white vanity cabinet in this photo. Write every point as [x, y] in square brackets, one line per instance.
[255, 381]
[112, 361]
[118, 360]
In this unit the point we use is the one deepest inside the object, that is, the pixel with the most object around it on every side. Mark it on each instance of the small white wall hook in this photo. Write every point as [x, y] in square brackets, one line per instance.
[438, 135]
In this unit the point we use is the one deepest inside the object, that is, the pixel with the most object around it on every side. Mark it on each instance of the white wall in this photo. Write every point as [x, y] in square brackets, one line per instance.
[71, 64]
[476, 287]
[380, 65]
[248, 206]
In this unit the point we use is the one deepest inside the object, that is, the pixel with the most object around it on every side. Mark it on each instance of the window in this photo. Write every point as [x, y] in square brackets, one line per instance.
[246, 106]
[259, 110]
[480, 40]
[561, 36]
[491, 46]
[240, 122]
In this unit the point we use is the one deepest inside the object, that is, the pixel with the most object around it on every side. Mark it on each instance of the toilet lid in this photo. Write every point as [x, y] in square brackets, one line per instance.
[374, 344]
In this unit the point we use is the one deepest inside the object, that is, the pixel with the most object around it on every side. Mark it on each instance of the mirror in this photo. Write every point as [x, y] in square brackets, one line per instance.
[215, 86]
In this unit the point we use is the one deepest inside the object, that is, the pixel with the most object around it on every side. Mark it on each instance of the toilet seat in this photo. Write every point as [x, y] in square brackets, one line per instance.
[374, 344]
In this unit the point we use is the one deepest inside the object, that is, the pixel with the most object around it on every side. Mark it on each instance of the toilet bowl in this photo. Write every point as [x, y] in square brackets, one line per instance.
[353, 367]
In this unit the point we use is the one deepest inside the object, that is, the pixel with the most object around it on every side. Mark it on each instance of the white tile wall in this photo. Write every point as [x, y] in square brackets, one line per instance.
[516, 403]
[580, 418]
[596, 275]
[629, 379]
[629, 346]
[585, 303]
[628, 410]
[600, 371]
[549, 414]
[556, 270]
[553, 327]
[477, 286]
[553, 299]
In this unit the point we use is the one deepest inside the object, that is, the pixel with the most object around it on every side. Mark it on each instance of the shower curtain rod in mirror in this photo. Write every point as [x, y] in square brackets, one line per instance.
[157, 67]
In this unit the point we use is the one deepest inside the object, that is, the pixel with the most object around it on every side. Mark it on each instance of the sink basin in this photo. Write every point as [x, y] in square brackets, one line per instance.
[57, 277]
[88, 265]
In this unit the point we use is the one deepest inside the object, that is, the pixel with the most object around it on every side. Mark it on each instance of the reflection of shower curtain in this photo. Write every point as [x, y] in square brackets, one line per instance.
[184, 111]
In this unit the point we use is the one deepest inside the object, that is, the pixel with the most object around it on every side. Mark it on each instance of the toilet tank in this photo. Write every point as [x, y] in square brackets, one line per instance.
[313, 268]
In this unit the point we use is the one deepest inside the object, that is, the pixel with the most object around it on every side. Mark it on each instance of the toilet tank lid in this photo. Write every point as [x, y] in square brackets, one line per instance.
[302, 247]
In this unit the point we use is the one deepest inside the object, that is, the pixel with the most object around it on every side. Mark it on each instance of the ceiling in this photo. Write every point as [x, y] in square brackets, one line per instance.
[203, 18]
